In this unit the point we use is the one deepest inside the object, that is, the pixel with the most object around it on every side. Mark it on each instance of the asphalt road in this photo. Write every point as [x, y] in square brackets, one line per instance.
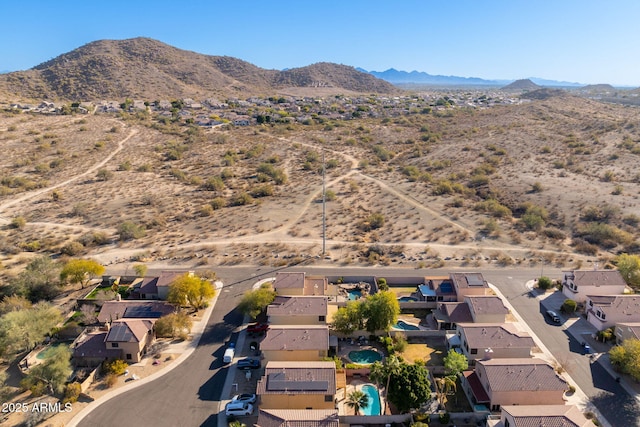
[189, 394]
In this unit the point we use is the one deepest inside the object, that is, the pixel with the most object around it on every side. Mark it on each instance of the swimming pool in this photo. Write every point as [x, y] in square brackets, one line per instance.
[407, 299]
[365, 357]
[355, 294]
[374, 400]
[405, 326]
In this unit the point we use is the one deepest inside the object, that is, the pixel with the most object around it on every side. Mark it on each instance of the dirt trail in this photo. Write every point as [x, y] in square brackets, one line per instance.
[41, 191]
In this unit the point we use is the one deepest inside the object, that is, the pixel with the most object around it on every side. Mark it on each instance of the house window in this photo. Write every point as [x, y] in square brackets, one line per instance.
[495, 408]
[328, 398]
[114, 344]
[601, 315]
[321, 318]
[128, 356]
[474, 351]
[506, 423]
[590, 303]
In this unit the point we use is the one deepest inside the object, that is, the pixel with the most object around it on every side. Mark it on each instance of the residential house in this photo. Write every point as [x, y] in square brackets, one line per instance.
[474, 309]
[624, 331]
[132, 309]
[156, 287]
[132, 336]
[469, 284]
[499, 382]
[487, 341]
[127, 339]
[539, 416]
[298, 310]
[293, 342]
[298, 385]
[605, 311]
[578, 284]
[298, 283]
[298, 418]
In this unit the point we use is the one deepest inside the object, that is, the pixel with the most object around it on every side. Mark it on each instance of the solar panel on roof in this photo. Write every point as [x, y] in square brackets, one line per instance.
[120, 333]
[278, 382]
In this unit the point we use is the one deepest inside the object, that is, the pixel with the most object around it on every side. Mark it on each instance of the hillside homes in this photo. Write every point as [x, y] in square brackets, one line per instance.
[607, 310]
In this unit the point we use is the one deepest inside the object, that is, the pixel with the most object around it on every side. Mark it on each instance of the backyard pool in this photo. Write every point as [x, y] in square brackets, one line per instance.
[374, 400]
[405, 326]
[364, 357]
[354, 294]
[407, 299]
[48, 350]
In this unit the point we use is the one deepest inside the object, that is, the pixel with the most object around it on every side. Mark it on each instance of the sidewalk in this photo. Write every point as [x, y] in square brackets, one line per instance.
[184, 348]
[578, 398]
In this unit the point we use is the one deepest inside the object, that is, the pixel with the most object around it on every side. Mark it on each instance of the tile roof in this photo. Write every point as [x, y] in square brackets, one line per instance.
[92, 345]
[620, 304]
[468, 280]
[298, 418]
[294, 337]
[481, 304]
[598, 278]
[113, 310]
[547, 416]
[456, 312]
[481, 335]
[520, 375]
[314, 285]
[168, 276]
[298, 306]
[289, 280]
[128, 330]
[298, 377]
[477, 389]
[633, 327]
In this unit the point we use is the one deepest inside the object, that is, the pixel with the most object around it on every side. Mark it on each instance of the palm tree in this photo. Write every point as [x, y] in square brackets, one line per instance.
[357, 400]
[445, 385]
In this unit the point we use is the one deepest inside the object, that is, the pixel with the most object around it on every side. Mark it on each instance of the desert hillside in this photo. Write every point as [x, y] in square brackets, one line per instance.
[549, 180]
[143, 68]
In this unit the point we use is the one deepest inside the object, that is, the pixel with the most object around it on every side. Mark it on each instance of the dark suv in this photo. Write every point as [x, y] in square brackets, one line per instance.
[248, 364]
[553, 316]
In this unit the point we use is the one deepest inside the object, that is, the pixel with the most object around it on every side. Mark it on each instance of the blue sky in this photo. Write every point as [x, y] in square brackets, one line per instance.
[583, 41]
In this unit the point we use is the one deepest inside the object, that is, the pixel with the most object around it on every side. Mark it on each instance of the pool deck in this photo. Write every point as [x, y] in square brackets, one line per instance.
[355, 384]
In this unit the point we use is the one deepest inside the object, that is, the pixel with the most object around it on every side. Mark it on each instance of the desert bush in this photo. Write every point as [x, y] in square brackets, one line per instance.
[129, 230]
[241, 199]
[554, 233]
[110, 380]
[214, 183]
[372, 222]
[104, 175]
[18, 222]
[569, 306]
[605, 235]
[584, 247]
[263, 190]
[218, 203]
[72, 248]
[115, 366]
[544, 283]
[72, 392]
[494, 208]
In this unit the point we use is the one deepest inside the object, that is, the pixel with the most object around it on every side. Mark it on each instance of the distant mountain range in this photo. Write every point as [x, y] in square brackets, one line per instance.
[418, 77]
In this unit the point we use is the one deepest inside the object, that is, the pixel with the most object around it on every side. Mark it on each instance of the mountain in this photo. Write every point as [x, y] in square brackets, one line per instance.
[522, 84]
[143, 68]
[416, 77]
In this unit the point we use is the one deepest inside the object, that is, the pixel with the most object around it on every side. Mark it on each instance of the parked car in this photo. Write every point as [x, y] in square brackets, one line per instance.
[586, 348]
[229, 354]
[238, 408]
[245, 397]
[257, 328]
[248, 363]
[553, 316]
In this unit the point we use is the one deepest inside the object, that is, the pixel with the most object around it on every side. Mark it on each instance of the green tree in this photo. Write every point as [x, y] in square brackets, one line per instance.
[410, 388]
[14, 303]
[382, 372]
[115, 366]
[23, 329]
[349, 318]
[444, 386]
[544, 283]
[629, 268]
[569, 306]
[81, 271]
[626, 357]
[174, 325]
[53, 372]
[254, 302]
[381, 311]
[39, 280]
[190, 290]
[357, 400]
[455, 363]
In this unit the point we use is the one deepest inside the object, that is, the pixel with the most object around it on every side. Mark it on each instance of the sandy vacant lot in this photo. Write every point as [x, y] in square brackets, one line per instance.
[400, 190]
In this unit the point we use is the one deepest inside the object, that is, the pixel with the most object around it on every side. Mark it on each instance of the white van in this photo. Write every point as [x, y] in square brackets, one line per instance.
[228, 355]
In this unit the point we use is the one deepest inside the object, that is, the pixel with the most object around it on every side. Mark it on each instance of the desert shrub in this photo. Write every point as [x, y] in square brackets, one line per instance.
[242, 199]
[603, 213]
[554, 233]
[632, 220]
[110, 380]
[382, 153]
[544, 283]
[400, 344]
[606, 335]
[218, 203]
[129, 230]
[104, 175]
[263, 190]
[372, 222]
[18, 222]
[494, 208]
[72, 248]
[214, 183]
[442, 187]
[115, 366]
[330, 195]
[382, 284]
[569, 306]
[584, 247]
[605, 235]
[72, 392]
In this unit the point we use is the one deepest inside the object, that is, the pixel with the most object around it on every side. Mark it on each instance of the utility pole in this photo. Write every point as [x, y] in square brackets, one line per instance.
[324, 209]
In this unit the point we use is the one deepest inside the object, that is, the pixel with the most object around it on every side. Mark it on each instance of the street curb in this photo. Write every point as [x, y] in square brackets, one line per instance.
[197, 334]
